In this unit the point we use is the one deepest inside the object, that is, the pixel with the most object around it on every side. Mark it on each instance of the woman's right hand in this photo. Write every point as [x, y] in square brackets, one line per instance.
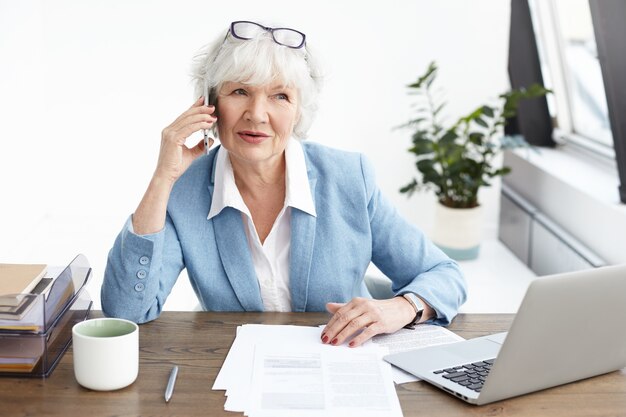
[175, 157]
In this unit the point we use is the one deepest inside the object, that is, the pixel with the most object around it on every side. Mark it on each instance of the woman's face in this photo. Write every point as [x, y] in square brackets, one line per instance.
[255, 122]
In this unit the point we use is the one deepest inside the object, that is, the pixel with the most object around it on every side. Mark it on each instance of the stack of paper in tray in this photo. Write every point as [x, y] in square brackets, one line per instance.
[17, 282]
[286, 371]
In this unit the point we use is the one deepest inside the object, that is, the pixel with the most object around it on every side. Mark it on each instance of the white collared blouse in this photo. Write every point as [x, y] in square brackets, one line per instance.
[270, 258]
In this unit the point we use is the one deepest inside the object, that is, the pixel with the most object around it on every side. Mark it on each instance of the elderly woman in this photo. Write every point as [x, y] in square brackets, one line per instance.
[265, 222]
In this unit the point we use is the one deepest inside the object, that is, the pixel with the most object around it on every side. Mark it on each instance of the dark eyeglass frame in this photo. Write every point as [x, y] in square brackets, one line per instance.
[233, 32]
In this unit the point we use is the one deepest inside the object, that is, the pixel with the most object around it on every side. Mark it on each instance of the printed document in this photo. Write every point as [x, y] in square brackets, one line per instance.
[408, 339]
[234, 377]
[321, 380]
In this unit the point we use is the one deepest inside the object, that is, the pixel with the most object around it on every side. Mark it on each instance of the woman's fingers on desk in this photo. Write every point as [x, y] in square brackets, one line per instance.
[364, 318]
[175, 157]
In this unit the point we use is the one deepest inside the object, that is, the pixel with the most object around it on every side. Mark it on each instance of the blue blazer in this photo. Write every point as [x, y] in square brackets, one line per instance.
[329, 254]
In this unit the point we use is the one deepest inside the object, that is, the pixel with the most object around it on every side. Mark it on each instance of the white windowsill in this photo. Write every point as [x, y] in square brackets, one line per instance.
[594, 176]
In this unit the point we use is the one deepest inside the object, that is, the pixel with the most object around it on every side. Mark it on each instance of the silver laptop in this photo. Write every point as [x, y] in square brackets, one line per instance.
[569, 327]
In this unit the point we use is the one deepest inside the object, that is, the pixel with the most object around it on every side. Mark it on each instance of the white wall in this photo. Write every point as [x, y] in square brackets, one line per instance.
[87, 86]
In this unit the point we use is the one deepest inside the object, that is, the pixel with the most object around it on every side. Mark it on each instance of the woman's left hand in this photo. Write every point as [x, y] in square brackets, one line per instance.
[367, 316]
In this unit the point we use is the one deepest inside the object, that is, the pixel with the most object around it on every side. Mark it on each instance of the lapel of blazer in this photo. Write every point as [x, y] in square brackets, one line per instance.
[301, 253]
[232, 246]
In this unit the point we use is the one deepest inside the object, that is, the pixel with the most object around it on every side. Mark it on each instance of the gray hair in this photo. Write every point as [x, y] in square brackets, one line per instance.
[260, 61]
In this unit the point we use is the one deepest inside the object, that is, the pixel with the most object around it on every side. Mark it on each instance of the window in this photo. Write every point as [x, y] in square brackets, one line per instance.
[570, 66]
[583, 57]
[590, 117]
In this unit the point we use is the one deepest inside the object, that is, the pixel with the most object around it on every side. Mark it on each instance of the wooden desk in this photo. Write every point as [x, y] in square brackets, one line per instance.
[199, 341]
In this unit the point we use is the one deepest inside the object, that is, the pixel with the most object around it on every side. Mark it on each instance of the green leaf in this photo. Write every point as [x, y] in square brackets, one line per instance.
[421, 147]
[454, 155]
[501, 171]
[420, 135]
[481, 122]
[432, 177]
[476, 114]
[476, 138]
[430, 81]
[420, 110]
[425, 165]
[512, 98]
[409, 188]
[448, 137]
[411, 123]
[439, 108]
[431, 72]
[487, 111]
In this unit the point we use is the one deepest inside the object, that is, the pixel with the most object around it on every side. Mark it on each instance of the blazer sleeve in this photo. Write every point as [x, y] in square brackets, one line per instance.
[405, 255]
[140, 273]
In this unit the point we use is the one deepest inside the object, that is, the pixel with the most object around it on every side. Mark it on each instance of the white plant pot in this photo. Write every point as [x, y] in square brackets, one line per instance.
[458, 232]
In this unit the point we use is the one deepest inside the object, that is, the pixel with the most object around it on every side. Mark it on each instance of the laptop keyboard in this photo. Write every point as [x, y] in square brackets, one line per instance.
[471, 375]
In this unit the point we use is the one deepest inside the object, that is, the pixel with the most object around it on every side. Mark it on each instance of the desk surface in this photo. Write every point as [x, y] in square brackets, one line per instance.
[199, 341]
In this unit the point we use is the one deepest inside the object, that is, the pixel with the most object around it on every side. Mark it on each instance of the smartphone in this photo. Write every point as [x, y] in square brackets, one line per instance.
[210, 99]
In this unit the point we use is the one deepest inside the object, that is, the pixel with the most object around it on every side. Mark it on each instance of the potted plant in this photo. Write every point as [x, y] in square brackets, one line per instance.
[456, 160]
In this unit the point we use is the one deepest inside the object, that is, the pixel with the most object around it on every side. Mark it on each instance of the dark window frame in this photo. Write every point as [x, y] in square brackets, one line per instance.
[533, 119]
[608, 18]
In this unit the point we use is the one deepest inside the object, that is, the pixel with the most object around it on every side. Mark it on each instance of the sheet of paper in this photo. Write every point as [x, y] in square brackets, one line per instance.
[221, 381]
[242, 348]
[291, 380]
[235, 374]
[408, 339]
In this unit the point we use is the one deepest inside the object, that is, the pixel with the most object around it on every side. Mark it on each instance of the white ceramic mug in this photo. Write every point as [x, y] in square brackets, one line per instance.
[106, 353]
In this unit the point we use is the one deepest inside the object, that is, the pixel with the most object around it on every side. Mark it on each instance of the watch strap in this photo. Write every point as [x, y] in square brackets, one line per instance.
[417, 305]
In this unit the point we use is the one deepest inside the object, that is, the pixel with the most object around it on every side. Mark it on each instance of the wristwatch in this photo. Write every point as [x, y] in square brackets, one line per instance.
[417, 304]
